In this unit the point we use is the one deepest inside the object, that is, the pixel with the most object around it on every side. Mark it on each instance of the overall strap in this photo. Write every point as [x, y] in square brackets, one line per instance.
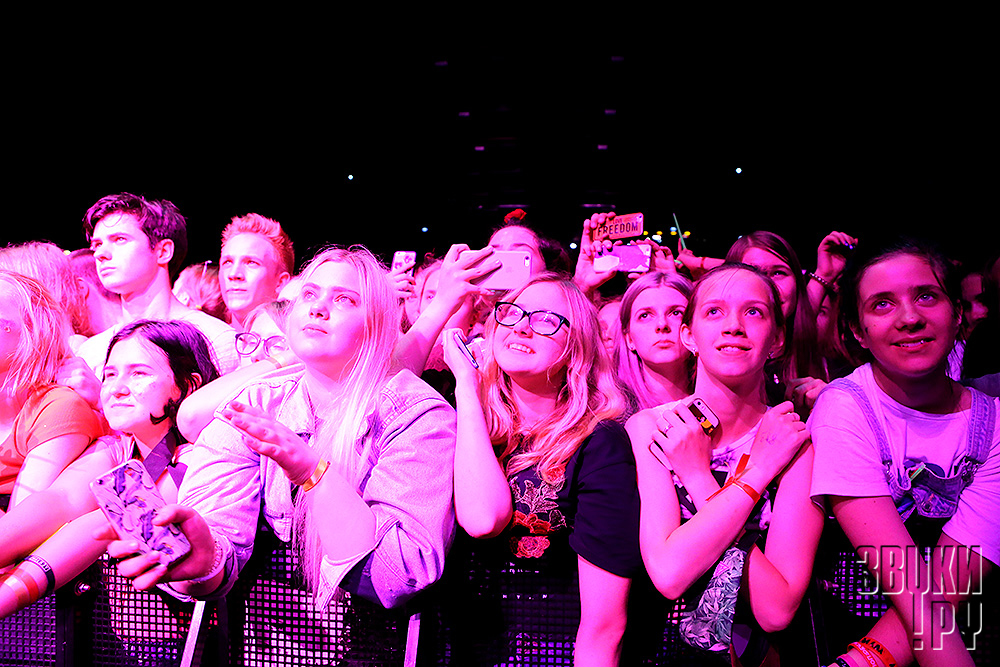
[855, 390]
[982, 422]
[899, 482]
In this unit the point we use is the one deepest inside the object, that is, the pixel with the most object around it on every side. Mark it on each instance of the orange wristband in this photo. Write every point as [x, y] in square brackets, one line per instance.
[754, 496]
[866, 653]
[316, 476]
[873, 648]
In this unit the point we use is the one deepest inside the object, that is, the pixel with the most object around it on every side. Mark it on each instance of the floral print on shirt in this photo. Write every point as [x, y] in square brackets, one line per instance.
[536, 510]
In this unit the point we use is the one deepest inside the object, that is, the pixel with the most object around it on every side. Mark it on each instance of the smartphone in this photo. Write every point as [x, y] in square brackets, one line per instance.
[709, 422]
[514, 270]
[129, 499]
[626, 258]
[622, 226]
[465, 350]
[401, 258]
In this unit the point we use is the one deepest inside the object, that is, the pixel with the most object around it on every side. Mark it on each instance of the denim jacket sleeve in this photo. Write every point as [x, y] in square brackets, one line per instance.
[409, 487]
[223, 484]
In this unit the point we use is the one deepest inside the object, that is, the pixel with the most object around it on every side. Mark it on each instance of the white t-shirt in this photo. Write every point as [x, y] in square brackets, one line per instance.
[847, 461]
[221, 342]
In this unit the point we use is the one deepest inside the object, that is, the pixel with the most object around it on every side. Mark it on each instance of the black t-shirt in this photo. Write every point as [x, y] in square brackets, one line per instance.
[596, 510]
[516, 597]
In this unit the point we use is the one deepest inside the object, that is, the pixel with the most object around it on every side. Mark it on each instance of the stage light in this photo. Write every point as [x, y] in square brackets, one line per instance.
[656, 237]
[572, 246]
[423, 229]
[350, 177]
[738, 170]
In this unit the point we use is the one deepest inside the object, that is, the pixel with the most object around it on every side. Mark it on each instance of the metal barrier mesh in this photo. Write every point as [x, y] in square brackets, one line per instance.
[282, 626]
[485, 611]
[29, 636]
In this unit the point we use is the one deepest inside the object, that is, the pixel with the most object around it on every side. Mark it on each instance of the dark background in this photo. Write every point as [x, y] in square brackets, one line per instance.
[227, 123]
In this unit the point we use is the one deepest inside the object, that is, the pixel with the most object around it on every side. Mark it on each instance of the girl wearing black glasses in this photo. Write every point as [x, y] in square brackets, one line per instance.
[540, 461]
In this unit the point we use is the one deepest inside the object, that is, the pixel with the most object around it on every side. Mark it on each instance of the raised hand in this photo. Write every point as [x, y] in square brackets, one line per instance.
[585, 276]
[74, 372]
[802, 392]
[403, 280]
[461, 366]
[831, 255]
[268, 437]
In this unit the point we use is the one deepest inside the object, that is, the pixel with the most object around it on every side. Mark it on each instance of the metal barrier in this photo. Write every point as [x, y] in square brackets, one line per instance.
[270, 620]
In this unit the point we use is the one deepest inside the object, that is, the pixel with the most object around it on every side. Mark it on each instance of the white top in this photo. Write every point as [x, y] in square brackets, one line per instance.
[848, 464]
[221, 342]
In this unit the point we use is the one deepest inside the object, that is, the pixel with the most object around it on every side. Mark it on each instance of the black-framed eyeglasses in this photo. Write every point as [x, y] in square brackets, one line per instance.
[247, 343]
[542, 322]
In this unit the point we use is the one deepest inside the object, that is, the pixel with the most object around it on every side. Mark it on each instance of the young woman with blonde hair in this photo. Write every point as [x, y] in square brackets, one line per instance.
[43, 426]
[367, 448]
[540, 459]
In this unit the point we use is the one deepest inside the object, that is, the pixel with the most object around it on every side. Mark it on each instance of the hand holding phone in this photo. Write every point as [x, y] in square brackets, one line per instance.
[403, 258]
[129, 499]
[465, 350]
[706, 418]
[514, 271]
[625, 259]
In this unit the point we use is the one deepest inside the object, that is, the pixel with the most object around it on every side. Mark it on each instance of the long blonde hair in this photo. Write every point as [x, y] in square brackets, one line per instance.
[43, 344]
[340, 438]
[588, 394]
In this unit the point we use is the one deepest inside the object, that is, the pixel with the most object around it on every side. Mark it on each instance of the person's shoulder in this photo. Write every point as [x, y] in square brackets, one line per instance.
[608, 443]
[47, 395]
[842, 390]
[609, 429]
[404, 389]
[209, 325]
[95, 349]
[115, 446]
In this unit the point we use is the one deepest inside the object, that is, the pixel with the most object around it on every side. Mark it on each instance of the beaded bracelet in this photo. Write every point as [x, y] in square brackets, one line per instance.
[831, 287]
[217, 564]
